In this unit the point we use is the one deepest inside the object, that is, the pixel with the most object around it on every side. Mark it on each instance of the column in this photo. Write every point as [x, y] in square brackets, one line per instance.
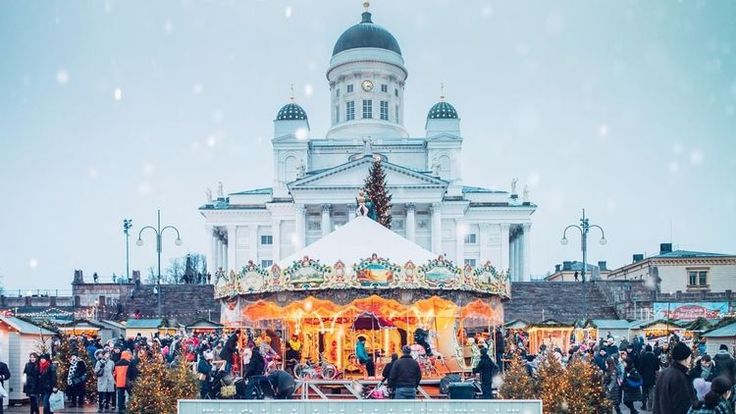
[326, 220]
[223, 255]
[526, 261]
[411, 221]
[299, 225]
[436, 229]
[276, 236]
[351, 212]
[218, 251]
[517, 253]
[459, 242]
[253, 243]
[512, 259]
[211, 256]
[505, 253]
[232, 243]
[484, 232]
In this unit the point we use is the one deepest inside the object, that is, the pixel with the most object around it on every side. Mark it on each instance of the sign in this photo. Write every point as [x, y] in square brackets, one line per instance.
[690, 311]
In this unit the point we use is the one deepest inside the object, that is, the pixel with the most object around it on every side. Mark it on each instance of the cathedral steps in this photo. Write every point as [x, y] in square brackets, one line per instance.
[561, 301]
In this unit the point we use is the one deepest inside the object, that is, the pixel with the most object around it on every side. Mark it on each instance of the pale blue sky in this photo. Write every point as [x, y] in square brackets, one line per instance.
[626, 108]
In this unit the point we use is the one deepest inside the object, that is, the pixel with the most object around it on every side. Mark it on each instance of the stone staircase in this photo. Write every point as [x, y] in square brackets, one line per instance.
[561, 301]
[182, 303]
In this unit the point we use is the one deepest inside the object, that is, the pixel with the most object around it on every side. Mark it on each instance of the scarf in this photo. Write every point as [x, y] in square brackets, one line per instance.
[43, 366]
[72, 369]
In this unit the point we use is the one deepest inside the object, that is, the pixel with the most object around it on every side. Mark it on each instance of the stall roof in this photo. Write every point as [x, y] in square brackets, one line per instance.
[551, 323]
[143, 323]
[645, 324]
[357, 240]
[82, 322]
[516, 324]
[204, 323]
[722, 332]
[113, 324]
[25, 327]
[610, 323]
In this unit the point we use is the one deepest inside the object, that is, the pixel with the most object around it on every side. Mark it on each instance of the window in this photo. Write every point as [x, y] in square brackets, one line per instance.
[470, 262]
[697, 278]
[266, 263]
[384, 110]
[337, 92]
[396, 92]
[397, 114]
[266, 240]
[337, 113]
[350, 110]
[314, 222]
[384, 88]
[367, 109]
[471, 238]
[350, 88]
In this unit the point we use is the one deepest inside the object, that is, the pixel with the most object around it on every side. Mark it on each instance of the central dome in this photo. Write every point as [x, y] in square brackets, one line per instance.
[366, 34]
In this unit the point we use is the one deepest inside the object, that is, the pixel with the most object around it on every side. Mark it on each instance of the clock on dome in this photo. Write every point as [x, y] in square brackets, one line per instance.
[366, 85]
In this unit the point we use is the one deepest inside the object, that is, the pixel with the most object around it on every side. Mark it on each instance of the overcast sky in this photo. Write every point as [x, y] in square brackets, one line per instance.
[112, 109]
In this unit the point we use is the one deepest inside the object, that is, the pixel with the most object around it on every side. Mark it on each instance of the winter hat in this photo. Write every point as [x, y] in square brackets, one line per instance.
[681, 352]
[406, 350]
[723, 347]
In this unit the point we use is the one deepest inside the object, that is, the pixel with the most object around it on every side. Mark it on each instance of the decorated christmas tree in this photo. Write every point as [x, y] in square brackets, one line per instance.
[182, 381]
[517, 383]
[375, 186]
[90, 386]
[554, 389]
[151, 391]
[588, 395]
[62, 357]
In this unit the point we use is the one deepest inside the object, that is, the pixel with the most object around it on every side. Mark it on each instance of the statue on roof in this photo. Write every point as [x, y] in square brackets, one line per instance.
[525, 197]
[208, 192]
[436, 166]
[301, 169]
[220, 191]
[514, 181]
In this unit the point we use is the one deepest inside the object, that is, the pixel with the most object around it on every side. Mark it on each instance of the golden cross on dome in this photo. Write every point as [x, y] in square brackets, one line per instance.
[442, 91]
[291, 93]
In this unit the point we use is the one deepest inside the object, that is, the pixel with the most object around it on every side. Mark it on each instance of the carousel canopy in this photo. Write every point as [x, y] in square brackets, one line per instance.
[360, 238]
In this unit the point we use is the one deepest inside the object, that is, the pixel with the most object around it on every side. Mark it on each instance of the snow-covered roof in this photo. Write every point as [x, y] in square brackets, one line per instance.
[358, 239]
[24, 327]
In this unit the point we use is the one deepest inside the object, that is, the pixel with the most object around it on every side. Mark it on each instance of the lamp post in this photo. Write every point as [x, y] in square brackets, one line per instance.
[584, 228]
[127, 225]
[159, 233]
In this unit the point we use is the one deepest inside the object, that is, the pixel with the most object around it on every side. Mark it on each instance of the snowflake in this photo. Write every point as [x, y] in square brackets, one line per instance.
[486, 11]
[33, 263]
[301, 134]
[674, 166]
[603, 130]
[287, 12]
[211, 141]
[117, 94]
[308, 89]
[62, 77]
[197, 88]
[696, 157]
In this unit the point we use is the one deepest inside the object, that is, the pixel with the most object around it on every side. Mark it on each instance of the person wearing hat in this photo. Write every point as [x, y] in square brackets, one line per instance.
[724, 363]
[364, 358]
[487, 369]
[105, 380]
[716, 401]
[204, 373]
[648, 367]
[405, 376]
[674, 393]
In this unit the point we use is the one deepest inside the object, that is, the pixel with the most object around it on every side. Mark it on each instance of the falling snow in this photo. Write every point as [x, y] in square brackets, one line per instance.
[211, 141]
[118, 94]
[62, 77]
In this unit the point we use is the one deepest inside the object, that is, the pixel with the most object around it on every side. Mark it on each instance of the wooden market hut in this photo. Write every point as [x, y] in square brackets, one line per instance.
[202, 326]
[551, 333]
[116, 328]
[146, 327]
[601, 328]
[87, 328]
[724, 335]
[659, 329]
[18, 338]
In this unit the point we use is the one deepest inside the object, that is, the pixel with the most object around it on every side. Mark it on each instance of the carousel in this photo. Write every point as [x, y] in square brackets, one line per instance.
[363, 282]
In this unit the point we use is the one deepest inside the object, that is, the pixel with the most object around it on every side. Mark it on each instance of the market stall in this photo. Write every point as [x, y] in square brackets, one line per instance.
[595, 329]
[18, 338]
[365, 280]
[84, 327]
[551, 333]
[723, 335]
[202, 326]
[658, 330]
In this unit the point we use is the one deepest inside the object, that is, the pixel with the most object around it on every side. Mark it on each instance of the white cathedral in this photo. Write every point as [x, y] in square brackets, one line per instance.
[316, 179]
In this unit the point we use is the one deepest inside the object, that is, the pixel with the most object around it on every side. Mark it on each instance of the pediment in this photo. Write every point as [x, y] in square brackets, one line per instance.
[353, 174]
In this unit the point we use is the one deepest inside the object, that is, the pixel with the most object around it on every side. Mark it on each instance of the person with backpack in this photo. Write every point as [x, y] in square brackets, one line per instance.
[487, 369]
[120, 374]
[717, 399]
[631, 387]
[105, 380]
[724, 363]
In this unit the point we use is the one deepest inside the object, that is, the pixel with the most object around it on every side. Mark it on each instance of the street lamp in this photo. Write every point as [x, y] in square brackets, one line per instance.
[127, 225]
[584, 228]
[159, 233]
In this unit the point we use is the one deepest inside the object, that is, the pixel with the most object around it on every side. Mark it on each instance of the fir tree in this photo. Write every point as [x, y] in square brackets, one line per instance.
[554, 389]
[62, 356]
[151, 391]
[587, 395]
[517, 383]
[90, 386]
[182, 381]
[375, 186]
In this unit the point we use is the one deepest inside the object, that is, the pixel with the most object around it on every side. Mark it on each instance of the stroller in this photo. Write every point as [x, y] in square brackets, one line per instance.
[221, 386]
[379, 392]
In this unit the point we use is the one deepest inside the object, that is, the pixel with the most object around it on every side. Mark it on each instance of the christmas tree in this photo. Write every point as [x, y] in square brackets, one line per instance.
[182, 381]
[90, 386]
[588, 395]
[517, 384]
[554, 388]
[62, 357]
[375, 186]
[151, 391]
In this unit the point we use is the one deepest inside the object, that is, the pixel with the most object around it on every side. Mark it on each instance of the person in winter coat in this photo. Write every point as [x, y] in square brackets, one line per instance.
[717, 399]
[386, 373]
[229, 349]
[500, 348]
[31, 371]
[487, 369]
[75, 381]
[204, 373]
[724, 363]
[104, 368]
[648, 367]
[120, 374]
[600, 359]
[674, 393]
[254, 374]
[703, 369]
[631, 387]
[282, 383]
[612, 384]
[46, 381]
[362, 354]
[405, 376]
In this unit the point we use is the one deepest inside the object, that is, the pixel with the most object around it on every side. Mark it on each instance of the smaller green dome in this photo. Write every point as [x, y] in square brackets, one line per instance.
[442, 110]
[290, 112]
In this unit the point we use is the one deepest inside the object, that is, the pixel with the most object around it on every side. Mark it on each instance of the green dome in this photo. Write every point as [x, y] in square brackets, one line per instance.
[290, 112]
[442, 110]
[366, 34]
